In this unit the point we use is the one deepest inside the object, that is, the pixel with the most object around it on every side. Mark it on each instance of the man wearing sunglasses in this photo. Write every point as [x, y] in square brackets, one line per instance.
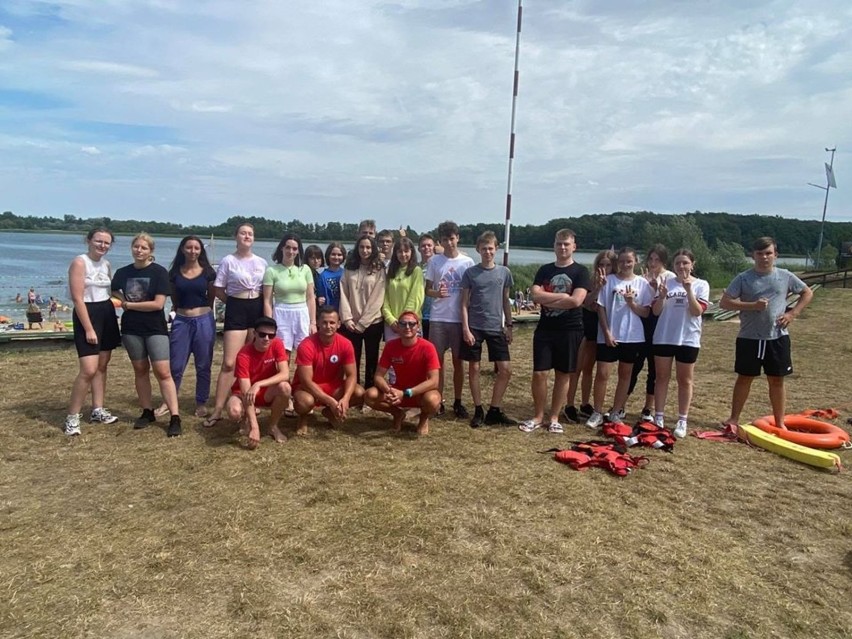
[261, 374]
[325, 373]
[417, 367]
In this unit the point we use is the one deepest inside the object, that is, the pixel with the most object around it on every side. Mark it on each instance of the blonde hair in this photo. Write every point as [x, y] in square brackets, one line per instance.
[148, 240]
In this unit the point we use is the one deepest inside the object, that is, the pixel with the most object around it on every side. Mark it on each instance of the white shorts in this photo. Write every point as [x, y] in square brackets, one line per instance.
[294, 323]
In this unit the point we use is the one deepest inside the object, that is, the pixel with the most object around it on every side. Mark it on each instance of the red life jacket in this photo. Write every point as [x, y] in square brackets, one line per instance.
[604, 455]
[642, 434]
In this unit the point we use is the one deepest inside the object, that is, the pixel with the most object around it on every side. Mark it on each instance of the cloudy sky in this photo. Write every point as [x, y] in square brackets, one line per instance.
[196, 110]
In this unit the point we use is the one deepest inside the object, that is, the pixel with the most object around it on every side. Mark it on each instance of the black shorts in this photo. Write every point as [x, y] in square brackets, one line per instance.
[104, 321]
[625, 352]
[556, 349]
[772, 355]
[682, 354]
[240, 314]
[590, 325]
[424, 327]
[498, 347]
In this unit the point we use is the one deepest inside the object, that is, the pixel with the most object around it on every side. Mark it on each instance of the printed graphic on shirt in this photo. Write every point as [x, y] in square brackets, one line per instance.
[136, 289]
[559, 283]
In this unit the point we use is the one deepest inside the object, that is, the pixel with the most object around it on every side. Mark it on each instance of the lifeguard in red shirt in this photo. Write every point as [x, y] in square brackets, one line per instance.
[325, 373]
[261, 374]
[417, 367]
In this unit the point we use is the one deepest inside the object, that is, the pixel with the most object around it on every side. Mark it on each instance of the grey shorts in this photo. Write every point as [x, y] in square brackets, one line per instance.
[152, 347]
[446, 335]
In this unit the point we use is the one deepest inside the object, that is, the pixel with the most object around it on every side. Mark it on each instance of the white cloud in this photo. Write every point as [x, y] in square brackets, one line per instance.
[108, 68]
[90, 150]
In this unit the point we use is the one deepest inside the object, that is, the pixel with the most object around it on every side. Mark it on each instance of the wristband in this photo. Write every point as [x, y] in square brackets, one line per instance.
[407, 393]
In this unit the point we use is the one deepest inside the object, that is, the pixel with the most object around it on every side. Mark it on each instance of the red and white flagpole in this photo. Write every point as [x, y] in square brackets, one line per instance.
[512, 137]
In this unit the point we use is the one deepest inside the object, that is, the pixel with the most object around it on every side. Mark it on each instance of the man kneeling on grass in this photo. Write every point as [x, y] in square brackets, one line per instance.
[261, 374]
[417, 367]
[325, 373]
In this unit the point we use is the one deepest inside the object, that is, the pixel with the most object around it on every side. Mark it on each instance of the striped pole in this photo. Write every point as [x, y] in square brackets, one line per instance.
[512, 137]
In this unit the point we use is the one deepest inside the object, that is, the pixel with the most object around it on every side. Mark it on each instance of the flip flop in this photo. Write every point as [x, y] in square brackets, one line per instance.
[210, 422]
[161, 410]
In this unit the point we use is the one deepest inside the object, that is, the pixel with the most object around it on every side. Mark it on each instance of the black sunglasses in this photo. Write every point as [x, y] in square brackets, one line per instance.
[265, 335]
[408, 324]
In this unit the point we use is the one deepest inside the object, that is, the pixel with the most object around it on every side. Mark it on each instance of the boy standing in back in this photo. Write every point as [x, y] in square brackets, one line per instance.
[560, 288]
[487, 317]
[443, 284]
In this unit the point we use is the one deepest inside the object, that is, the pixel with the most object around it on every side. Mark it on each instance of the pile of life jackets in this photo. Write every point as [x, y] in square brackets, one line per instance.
[612, 455]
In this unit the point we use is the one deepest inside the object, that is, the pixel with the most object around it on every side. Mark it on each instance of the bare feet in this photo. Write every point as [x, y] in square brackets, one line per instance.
[398, 420]
[161, 410]
[333, 421]
[423, 428]
[277, 435]
[211, 420]
[201, 411]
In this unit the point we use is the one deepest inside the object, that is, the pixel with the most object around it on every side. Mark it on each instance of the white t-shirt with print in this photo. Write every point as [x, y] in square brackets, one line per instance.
[624, 324]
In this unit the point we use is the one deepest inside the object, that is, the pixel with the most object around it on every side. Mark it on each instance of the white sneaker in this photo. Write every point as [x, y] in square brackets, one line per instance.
[659, 422]
[555, 427]
[616, 416]
[680, 429]
[72, 424]
[102, 416]
[595, 420]
[529, 425]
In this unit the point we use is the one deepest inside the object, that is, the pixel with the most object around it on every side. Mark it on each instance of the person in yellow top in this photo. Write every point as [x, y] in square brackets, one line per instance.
[404, 290]
[362, 291]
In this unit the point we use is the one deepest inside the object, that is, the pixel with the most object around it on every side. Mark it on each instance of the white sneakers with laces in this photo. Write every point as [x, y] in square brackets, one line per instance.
[72, 424]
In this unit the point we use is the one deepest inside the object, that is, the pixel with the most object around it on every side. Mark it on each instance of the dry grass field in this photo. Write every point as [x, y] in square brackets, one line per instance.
[465, 533]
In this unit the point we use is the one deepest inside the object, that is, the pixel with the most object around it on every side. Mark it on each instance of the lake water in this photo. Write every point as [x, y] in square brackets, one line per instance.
[40, 261]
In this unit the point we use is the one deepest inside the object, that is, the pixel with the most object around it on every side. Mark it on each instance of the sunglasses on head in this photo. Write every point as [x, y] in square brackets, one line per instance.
[407, 323]
[263, 335]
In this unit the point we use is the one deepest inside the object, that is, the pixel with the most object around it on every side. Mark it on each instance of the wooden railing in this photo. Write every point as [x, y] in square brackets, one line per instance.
[841, 278]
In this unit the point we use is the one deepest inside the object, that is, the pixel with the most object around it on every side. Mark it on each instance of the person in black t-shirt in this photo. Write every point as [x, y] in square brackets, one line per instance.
[559, 288]
[143, 287]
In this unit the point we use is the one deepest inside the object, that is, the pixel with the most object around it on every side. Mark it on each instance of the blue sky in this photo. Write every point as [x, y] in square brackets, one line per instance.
[196, 110]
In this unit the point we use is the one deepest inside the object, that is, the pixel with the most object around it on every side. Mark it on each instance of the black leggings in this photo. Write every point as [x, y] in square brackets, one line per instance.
[371, 339]
[647, 352]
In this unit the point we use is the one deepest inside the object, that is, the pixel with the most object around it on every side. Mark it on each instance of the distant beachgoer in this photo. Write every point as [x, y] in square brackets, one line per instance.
[31, 296]
[19, 299]
[239, 283]
[52, 307]
[96, 331]
[34, 316]
[143, 287]
[763, 343]
[193, 326]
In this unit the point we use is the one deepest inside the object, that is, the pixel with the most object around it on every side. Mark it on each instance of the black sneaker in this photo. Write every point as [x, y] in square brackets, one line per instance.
[586, 410]
[571, 415]
[174, 429]
[647, 415]
[145, 419]
[478, 417]
[496, 417]
[460, 410]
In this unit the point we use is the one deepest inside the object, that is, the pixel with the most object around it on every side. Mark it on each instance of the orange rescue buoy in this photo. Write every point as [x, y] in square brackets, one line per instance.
[805, 431]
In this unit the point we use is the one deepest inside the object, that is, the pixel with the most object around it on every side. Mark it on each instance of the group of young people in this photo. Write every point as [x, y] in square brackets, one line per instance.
[327, 309]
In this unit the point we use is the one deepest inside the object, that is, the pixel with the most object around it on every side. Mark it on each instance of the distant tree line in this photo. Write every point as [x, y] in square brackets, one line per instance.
[639, 228]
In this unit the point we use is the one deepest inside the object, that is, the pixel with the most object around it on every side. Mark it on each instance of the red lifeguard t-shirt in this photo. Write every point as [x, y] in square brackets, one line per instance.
[410, 363]
[327, 361]
[255, 365]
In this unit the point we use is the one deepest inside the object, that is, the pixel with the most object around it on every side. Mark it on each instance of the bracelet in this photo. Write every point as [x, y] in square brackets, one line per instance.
[407, 393]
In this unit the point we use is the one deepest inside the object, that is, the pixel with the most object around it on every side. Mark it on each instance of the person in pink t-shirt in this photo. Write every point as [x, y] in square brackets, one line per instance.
[325, 373]
[417, 367]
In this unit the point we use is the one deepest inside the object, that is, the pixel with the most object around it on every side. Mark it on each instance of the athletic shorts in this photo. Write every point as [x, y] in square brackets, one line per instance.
[590, 325]
[682, 354]
[152, 347]
[624, 352]
[259, 399]
[772, 355]
[328, 389]
[294, 323]
[240, 314]
[556, 350]
[498, 347]
[446, 336]
[104, 321]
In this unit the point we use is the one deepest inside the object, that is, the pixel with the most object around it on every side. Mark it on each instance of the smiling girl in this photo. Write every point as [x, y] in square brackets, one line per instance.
[404, 290]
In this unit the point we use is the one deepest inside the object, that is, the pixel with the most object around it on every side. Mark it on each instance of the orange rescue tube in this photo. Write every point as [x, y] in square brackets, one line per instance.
[805, 431]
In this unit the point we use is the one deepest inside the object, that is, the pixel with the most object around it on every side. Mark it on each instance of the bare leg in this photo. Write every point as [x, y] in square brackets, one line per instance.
[624, 371]
[778, 398]
[233, 341]
[163, 373]
[473, 381]
[661, 389]
[303, 403]
[588, 350]
[428, 407]
[560, 387]
[280, 395]
[501, 383]
[99, 380]
[539, 393]
[142, 381]
[84, 380]
[601, 380]
[458, 378]
[742, 387]
[684, 386]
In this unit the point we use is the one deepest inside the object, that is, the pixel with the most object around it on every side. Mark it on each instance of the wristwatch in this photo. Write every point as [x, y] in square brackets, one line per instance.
[407, 393]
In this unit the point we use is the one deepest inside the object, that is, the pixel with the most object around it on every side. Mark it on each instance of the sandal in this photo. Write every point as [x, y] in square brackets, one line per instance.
[211, 421]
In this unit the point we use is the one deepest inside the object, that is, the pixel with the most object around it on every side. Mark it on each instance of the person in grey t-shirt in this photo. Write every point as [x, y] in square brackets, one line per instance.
[763, 343]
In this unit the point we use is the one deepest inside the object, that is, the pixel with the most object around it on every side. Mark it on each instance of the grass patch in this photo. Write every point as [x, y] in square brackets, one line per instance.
[361, 533]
